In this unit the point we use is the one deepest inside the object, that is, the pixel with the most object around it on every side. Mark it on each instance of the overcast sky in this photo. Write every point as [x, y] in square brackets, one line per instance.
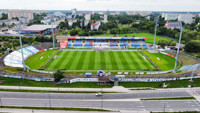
[118, 5]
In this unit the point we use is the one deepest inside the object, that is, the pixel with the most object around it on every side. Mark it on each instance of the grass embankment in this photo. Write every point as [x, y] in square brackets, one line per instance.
[186, 60]
[171, 98]
[38, 60]
[53, 108]
[149, 36]
[164, 62]
[22, 82]
[171, 84]
[31, 83]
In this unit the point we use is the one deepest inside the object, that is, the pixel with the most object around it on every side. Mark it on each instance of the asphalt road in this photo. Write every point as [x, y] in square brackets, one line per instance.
[117, 101]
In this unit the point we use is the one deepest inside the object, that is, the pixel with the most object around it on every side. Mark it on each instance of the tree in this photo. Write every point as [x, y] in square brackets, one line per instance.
[58, 75]
[193, 46]
[163, 43]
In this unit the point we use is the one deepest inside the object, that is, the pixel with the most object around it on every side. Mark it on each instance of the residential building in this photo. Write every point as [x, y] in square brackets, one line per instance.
[59, 15]
[105, 20]
[170, 16]
[19, 14]
[74, 13]
[87, 19]
[172, 25]
[95, 26]
[87, 16]
[40, 30]
[186, 18]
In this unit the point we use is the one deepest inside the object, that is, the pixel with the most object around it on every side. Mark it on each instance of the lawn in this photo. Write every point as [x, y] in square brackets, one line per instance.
[164, 62]
[100, 60]
[38, 60]
[149, 36]
[171, 84]
[32, 83]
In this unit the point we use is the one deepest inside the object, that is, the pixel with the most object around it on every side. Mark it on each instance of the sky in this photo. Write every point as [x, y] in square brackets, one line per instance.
[103, 5]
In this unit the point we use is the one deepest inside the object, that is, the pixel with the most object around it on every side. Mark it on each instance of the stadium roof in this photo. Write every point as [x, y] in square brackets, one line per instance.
[108, 38]
[38, 27]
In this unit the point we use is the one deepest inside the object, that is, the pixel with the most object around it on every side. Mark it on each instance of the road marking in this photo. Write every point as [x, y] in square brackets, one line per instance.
[196, 103]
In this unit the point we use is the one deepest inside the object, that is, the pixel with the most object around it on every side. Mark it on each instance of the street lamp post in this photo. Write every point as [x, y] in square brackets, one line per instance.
[154, 43]
[20, 38]
[52, 21]
[181, 30]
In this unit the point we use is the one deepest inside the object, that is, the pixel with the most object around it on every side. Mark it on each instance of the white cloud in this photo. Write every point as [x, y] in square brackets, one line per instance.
[147, 5]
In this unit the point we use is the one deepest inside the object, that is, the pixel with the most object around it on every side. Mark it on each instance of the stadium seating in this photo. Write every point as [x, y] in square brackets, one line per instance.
[32, 49]
[113, 44]
[14, 59]
[124, 43]
[78, 43]
[88, 44]
[69, 43]
[135, 44]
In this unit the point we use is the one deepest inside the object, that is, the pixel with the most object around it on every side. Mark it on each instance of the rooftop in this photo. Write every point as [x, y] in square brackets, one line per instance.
[38, 27]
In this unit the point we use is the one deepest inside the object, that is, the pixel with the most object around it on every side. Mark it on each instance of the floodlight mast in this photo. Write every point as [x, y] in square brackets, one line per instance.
[181, 30]
[52, 21]
[23, 63]
[156, 19]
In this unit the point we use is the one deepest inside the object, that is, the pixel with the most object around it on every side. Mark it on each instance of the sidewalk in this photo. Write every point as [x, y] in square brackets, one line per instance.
[113, 89]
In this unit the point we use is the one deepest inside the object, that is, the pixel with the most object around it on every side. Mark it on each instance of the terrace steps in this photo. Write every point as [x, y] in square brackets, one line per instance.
[140, 44]
[83, 43]
[109, 43]
[118, 42]
[73, 41]
[129, 42]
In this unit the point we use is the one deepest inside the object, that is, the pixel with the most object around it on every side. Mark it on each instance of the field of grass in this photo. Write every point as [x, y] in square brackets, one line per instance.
[171, 84]
[164, 62]
[104, 60]
[149, 36]
[36, 61]
[23, 82]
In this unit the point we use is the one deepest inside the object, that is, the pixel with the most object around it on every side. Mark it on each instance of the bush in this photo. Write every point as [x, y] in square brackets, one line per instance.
[58, 75]
[193, 46]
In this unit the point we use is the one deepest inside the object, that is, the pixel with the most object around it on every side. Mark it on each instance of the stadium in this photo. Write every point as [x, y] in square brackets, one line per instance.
[77, 55]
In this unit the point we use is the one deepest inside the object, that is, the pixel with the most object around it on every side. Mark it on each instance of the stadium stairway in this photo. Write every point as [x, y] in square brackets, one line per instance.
[109, 43]
[83, 43]
[73, 41]
[129, 42]
[140, 42]
[118, 42]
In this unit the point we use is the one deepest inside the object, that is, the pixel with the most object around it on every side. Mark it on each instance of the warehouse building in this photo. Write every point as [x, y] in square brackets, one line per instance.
[40, 30]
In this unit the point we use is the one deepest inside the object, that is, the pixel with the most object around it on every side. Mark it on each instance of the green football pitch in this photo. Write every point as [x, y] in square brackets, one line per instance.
[100, 60]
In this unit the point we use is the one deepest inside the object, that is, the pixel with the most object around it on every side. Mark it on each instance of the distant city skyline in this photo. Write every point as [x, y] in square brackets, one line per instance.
[103, 5]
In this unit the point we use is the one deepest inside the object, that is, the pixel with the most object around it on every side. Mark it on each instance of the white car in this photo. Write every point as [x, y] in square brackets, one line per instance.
[99, 94]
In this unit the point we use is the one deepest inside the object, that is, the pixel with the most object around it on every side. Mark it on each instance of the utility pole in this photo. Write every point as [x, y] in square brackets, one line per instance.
[181, 30]
[52, 22]
[156, 20]
[20, 38]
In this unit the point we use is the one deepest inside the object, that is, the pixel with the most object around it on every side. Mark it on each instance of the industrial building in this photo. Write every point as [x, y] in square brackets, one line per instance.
[40, 30]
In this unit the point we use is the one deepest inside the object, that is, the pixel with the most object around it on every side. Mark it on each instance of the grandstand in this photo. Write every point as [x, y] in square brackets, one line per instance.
[101, 42]
[14, 59]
